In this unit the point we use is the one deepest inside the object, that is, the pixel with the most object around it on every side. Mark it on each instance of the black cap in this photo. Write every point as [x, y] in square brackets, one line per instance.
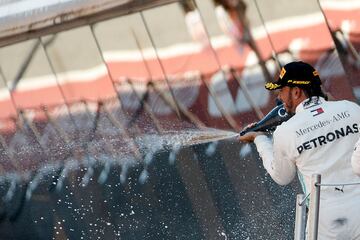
[298, 74]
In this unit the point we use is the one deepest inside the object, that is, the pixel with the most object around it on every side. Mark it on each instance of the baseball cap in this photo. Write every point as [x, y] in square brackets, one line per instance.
[299, 74]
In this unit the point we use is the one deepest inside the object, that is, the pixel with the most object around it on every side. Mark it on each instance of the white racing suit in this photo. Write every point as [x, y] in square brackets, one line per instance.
[319, 139]
[355, 159]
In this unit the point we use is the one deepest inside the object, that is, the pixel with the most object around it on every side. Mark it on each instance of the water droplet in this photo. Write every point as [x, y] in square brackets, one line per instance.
[210, 150]
[143, 176]
[245, 150]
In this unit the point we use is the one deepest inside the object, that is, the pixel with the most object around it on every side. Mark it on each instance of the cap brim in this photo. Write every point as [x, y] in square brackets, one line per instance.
[272, 86]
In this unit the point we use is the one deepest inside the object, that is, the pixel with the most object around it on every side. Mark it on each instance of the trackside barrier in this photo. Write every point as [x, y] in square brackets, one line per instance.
[313, 215]
[314, 207]
[300, 217]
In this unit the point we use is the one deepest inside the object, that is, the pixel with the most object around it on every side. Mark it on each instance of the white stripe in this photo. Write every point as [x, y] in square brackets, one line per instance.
[340, 5]
[44, 81]
[175, 50]
[289, 23]
[182, 49]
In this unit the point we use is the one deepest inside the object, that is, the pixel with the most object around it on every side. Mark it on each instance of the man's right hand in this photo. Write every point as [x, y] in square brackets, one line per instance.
[250, 136]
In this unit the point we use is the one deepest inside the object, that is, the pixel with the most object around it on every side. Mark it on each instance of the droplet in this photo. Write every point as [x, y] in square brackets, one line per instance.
[245, 150]
[143, 176]
[210, 150]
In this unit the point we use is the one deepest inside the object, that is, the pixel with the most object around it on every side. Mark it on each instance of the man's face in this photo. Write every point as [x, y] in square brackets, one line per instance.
[286, 96]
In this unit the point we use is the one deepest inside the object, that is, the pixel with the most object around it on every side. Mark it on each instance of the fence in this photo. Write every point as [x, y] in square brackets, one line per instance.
[314, 209]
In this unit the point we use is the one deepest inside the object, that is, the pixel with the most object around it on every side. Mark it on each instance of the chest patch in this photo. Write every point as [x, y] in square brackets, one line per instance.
[328, 137]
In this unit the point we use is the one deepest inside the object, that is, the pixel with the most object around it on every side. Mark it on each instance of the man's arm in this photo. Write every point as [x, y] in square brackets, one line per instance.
[275, 159]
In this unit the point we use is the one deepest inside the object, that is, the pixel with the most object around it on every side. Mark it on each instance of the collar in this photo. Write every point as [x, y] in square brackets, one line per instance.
[309, 103]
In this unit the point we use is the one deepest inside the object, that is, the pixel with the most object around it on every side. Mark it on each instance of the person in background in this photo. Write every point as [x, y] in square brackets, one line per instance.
[233, 20]
[318, 139]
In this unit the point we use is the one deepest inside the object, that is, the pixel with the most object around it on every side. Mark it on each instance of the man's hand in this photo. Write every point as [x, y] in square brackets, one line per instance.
[250, 136]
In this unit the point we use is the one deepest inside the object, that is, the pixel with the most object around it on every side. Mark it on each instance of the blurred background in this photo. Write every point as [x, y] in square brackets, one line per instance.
[118, 118]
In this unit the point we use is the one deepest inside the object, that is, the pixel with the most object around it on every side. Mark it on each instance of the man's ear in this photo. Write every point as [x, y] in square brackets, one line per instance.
[298, 93]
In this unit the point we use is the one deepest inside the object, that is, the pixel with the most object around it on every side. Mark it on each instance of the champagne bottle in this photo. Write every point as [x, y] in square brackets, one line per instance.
[269, 122]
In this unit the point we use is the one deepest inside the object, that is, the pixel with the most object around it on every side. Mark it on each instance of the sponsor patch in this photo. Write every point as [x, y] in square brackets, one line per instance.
[317, 111]
[282, 73]
[328, 137]
[298, 82]
[272, 86]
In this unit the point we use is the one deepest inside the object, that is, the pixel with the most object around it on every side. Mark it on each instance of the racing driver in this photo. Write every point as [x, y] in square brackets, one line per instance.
[318, 139]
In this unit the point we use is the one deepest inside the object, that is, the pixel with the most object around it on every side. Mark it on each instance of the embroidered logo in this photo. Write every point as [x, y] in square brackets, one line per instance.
[272, 86]
[282, 73]
[298, 82]
[317, 111]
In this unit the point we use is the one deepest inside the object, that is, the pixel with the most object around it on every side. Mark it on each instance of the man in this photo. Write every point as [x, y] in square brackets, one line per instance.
[318, 139]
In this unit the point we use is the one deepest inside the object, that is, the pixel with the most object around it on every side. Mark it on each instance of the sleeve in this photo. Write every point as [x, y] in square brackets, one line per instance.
[275, 159]
[355, 158]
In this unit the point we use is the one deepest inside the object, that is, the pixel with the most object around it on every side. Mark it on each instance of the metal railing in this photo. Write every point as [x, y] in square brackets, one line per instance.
[314, 206]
